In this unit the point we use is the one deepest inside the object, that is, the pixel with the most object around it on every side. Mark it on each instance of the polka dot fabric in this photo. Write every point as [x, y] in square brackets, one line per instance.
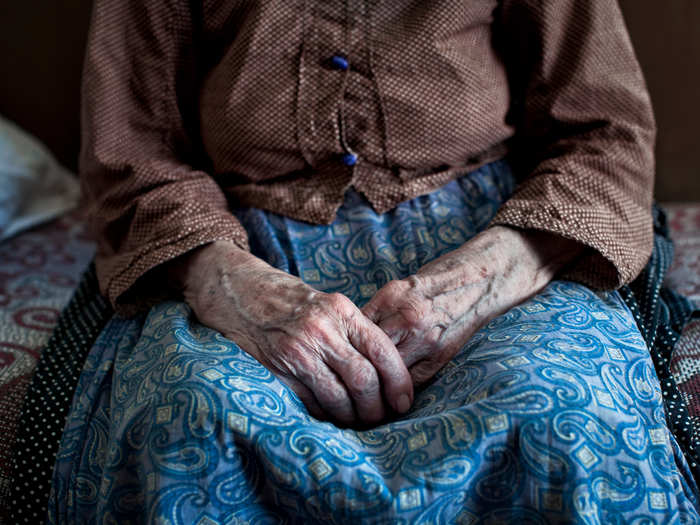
[684, 276]
[685, 368]
[661, 316]
[48, 400]
[39, 271]
[190, 105]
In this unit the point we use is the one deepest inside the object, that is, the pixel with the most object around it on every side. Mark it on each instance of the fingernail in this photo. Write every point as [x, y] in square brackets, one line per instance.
[403, 404]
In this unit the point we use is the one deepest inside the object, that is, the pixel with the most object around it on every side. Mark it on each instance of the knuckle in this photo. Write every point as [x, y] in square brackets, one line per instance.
[414, 281]
[294, 358]
[339, 303]
[416, 310]
[395, 288]
[363, 380]
[312, 326]
[404, 296]
[375, 351]
[317, 326]
[433, 335]
[335, 396]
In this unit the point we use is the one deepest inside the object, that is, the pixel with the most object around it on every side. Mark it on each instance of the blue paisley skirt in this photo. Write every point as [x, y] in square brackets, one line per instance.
[551, 413]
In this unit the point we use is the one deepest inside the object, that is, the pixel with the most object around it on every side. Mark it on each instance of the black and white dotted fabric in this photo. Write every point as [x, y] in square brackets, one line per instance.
[49, 397]
[661, 315]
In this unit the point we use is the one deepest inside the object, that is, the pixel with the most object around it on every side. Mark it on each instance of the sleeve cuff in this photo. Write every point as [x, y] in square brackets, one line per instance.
[128, 279]
[617, 249]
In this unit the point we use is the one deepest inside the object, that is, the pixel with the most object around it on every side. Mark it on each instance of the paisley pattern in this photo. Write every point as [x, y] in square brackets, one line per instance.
[552, 413]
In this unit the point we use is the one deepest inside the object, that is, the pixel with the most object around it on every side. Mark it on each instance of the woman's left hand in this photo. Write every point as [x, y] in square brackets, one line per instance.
[431, 315]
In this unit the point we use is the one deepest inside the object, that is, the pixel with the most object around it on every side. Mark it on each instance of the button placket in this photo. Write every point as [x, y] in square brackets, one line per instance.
[341, 62]
[321, 83]
[358, 136]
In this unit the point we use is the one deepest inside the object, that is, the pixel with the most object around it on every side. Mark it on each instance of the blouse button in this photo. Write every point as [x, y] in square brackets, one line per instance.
[340, 62]
[349, 159]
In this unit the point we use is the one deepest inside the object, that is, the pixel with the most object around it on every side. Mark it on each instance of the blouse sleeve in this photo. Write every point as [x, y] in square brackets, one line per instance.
[148, 202]
[584, 133]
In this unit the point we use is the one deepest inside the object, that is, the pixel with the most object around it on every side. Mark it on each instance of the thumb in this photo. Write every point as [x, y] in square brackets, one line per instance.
[371, 310]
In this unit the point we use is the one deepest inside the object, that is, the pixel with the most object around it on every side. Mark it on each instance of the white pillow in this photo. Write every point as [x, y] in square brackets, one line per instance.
[34, 188]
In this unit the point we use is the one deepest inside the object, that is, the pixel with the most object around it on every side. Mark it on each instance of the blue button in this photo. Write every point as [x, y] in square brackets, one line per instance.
[349, 159]
[340, 62]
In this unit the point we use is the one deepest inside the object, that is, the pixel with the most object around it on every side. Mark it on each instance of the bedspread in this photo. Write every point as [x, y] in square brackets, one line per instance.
[39, 270]
[684, 221]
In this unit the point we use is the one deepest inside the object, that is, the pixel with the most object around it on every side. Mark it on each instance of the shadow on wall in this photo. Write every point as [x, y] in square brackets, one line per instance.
[41, 54]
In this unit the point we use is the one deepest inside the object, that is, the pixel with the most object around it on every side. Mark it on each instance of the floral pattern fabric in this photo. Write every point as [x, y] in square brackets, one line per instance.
[551, 413]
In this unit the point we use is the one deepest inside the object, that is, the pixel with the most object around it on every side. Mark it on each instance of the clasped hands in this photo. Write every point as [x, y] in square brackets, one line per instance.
[357, 366]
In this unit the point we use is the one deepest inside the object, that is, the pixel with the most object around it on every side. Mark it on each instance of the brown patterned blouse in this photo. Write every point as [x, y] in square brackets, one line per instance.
[189, 107]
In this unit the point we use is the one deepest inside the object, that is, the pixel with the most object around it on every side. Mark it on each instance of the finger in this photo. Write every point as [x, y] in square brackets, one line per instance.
[371, 309]
[360, 380]
[329, 391]
[411, 344]
[384, 301]
[423, 371]
[306, 396]
[393, 327]
[376, 346]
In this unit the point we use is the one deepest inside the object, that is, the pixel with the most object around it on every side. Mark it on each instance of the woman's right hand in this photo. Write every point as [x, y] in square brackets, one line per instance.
[341, 365]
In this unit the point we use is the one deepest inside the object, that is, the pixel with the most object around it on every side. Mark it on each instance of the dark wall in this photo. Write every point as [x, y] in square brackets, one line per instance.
[41, 53]
[666, 35]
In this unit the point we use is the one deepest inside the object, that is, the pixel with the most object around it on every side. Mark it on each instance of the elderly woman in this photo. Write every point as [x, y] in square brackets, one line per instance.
[347, 219]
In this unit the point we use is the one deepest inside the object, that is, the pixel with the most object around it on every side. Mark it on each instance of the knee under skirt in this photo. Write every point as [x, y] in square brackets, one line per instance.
[551, 413]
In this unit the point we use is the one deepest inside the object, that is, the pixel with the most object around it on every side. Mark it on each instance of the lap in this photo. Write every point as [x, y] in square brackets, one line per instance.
[552, 411]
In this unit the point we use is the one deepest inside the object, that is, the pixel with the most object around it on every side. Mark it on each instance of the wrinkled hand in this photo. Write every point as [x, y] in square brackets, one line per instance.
[340, 364]
[431, 315]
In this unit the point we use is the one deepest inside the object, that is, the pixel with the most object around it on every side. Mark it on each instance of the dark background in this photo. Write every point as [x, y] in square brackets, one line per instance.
[41, 53]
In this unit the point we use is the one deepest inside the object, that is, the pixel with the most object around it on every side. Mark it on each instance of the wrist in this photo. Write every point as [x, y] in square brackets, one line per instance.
[549, 251]
[191, 270]
[532, 257]
[546, 254]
